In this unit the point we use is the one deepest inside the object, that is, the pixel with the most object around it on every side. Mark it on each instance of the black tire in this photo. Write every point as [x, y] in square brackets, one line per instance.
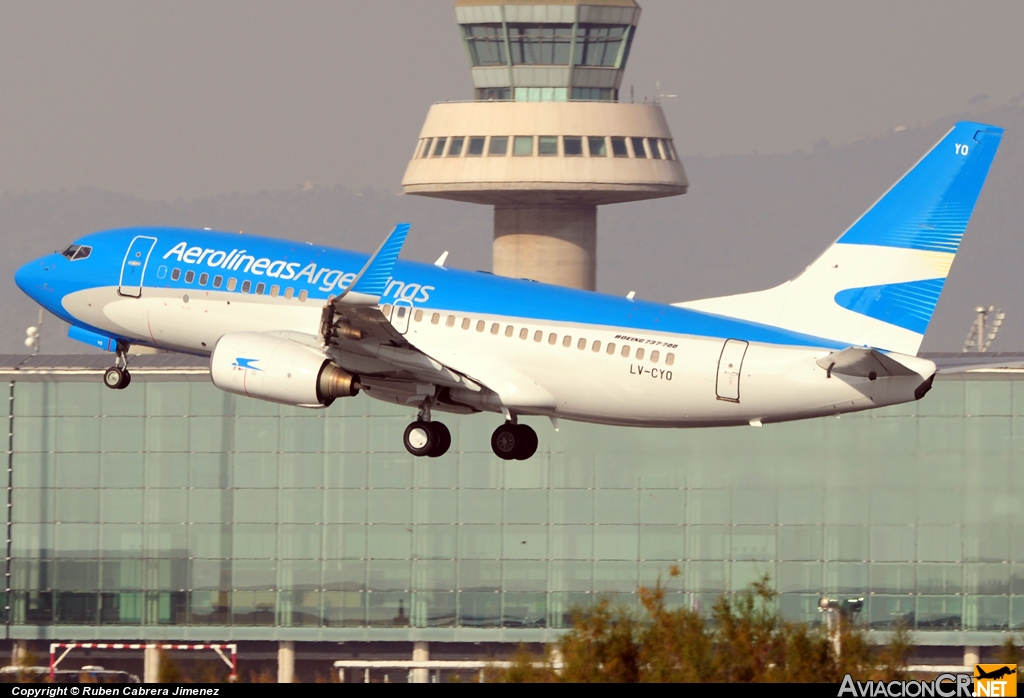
[127, 379]
[444, 440]
[113, 378]
[506, 441]
[420, 438]
[529, 442]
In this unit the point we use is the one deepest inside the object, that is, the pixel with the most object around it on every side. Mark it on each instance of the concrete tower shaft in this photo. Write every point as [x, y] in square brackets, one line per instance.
[554, 244]
[546, 140]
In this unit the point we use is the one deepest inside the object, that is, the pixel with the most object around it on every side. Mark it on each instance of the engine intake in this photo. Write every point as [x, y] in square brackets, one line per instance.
[278, 369]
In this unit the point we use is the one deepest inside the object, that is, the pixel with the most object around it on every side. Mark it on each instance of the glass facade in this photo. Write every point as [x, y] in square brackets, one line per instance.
[486, 44]
[572, 146]
[552, 44]
[173, 504]
[547, 52]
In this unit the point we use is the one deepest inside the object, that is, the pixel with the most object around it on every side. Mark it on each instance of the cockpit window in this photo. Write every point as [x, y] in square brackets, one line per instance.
[76, 252]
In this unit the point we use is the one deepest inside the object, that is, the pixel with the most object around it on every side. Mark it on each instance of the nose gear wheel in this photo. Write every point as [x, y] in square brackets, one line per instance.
[117, 378]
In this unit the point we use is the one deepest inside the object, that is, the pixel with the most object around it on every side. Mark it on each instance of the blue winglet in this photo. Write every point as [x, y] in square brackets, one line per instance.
[370, 284]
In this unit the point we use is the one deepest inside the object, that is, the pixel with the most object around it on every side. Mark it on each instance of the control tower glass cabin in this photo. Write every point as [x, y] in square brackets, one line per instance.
[546, 139]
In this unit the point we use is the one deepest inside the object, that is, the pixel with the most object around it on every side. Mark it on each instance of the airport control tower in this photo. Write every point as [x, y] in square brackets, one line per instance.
[546, 139]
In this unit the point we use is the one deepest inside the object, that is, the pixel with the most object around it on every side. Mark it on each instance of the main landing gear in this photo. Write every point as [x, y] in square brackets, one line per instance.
[426, 438]
[514, 442]
[117, 377]
[510, 441]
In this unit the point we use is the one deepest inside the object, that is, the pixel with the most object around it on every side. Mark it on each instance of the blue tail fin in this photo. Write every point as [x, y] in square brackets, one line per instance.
[929, 207]
[878, 285]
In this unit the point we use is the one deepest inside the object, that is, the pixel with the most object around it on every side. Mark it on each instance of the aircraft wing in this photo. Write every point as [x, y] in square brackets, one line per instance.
[385, 360]
[356, 314]
[355, 325]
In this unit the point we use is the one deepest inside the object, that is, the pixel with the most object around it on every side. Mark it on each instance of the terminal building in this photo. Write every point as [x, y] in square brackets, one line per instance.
[172, 511]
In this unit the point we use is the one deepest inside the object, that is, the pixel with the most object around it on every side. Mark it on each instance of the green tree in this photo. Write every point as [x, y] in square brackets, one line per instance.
[526, 668]
[744, 640]
[602, 647]
[1009, 651]
[168, 670]
[674, 645]
[891, 664]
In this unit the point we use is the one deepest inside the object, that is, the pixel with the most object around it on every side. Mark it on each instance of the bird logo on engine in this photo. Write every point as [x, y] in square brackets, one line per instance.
[246, 363]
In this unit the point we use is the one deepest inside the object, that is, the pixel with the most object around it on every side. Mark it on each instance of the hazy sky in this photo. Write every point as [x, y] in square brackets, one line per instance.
[193, 98]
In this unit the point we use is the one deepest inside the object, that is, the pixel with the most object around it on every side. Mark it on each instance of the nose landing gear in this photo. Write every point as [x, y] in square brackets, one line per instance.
[117, 377]
[514, 442]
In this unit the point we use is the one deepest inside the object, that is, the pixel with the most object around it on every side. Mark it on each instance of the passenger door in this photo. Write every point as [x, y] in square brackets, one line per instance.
[133, 268]
[730, 366]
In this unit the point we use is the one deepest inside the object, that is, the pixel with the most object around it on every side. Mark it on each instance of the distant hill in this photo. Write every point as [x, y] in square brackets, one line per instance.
[748, 222]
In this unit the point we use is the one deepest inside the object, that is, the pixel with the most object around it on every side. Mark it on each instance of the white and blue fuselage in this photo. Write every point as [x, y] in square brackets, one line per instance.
[594, 361]
[841, 337]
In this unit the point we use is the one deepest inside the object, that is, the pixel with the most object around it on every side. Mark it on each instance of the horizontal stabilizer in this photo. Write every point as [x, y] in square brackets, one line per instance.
[371, 282]
[864, 363]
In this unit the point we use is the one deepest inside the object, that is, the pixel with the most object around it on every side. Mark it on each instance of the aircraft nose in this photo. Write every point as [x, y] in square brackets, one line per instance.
[31, 277]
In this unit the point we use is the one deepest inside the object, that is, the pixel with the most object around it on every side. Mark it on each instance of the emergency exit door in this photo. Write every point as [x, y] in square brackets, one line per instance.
[730, 367]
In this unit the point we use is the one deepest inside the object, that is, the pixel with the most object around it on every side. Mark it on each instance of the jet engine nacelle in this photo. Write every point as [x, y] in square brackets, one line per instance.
[278, 369]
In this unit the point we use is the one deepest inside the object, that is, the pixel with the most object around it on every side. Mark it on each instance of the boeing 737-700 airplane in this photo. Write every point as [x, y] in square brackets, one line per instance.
[303, 325]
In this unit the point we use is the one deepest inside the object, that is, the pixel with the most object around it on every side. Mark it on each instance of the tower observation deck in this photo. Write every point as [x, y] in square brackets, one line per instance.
[546, 139]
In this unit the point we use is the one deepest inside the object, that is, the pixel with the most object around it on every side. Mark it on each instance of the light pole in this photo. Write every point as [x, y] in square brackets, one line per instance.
[32, 335]
[978, 339]
[835, 610]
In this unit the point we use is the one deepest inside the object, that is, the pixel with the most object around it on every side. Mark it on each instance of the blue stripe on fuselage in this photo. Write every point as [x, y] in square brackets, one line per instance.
[420, 285]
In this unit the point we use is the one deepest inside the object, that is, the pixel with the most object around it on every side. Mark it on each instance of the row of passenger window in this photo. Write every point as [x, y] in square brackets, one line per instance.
[232, 283]
[581, 343]
[551, 146]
